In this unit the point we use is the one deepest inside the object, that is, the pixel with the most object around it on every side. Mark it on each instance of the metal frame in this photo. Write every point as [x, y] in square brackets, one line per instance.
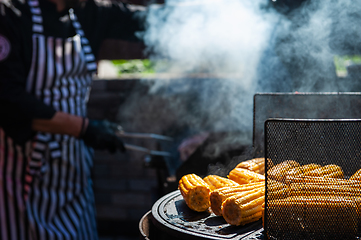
[320, 95]
[267, 156]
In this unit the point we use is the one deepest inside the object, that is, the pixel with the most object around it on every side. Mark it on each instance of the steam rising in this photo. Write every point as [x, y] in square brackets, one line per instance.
[213, 36]
[223, 52]
[216, 43]
[305, 42]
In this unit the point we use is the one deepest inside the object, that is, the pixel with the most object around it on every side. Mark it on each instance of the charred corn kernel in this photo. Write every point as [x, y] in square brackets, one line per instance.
[256, 165]
[195, 192]
[356, 176]
[312, 214]
[218, 196]
[299, 171]
[215, 182]
[243, 208]
[279, 171]
[243, 176]
[326, 170]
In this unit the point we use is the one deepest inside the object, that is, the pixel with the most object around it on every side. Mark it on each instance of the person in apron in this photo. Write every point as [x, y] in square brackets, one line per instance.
[45, 183]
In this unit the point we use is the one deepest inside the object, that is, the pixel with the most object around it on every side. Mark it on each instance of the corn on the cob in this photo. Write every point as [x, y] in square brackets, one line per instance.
[338, 174]
[256, 165]
[278, 172]
[312, 214]
[276, 190]
[279, 194]
[215, 182]
[331, 170]
[218, 196]
[274, 185]
[243, 208]
[356, 176]
[310, 189]
[195, 192]
[322, 180]
[299, 171]
[243, 176]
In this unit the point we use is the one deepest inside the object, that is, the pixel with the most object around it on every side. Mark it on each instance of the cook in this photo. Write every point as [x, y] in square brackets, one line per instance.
[48, 51]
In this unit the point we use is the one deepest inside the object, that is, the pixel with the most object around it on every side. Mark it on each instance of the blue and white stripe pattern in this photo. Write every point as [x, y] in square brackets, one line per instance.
[45, 185]
[89, 56]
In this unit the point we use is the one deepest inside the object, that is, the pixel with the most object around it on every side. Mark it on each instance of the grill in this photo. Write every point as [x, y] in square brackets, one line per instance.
[302, 127]
[172, 219]
[322, 142]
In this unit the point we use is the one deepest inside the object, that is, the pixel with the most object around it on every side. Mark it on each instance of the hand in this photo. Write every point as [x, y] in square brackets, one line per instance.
[100, 134]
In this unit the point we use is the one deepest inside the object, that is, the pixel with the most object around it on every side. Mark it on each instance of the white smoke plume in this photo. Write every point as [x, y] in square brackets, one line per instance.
[242, 47]
[306, 41]
[218, 43]
[209, 36]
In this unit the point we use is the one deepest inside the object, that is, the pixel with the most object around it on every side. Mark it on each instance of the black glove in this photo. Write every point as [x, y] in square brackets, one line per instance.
[100, 134]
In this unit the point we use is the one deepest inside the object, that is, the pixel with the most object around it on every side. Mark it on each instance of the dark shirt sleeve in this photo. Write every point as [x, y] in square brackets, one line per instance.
[111, 20]
[125, 22]
[17, 107]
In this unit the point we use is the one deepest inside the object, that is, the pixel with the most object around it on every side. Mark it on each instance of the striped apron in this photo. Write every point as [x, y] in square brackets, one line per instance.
[45, 186]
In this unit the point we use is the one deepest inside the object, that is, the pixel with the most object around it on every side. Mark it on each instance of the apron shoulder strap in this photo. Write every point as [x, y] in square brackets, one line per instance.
[36, 16]
[89, 56]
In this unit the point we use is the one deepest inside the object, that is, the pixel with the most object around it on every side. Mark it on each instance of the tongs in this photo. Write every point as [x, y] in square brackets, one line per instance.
[123, 134]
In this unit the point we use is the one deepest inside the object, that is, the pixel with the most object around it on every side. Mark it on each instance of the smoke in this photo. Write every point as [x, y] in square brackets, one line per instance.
[223, 52]
[213, 36]
[213, 47]
[306, 42]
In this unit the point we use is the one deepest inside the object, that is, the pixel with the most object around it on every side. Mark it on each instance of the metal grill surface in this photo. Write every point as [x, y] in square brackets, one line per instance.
[174, 217]
[310, 203]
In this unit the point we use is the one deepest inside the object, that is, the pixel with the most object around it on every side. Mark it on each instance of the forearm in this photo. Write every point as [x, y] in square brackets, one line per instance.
[99, 134]
[61, 123]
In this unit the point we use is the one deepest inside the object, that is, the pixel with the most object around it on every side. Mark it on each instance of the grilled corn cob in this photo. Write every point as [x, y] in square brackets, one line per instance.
[278, 194]
[332, 170]
[218, 196]
[215, 182]
[255, 165]
[278, 172]
[195, 192]
[322, 180]
[356, 176]
[243, 208]
[312, 214]
[311, 189]
[338, 174]
[276, 190]
[274, 185]
[299, 171]
[243, 176]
